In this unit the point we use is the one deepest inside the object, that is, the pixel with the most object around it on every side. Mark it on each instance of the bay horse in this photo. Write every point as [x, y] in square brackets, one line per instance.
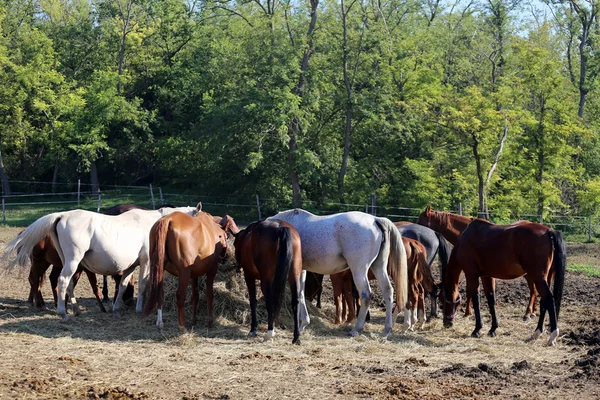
[270, 251]
[419, 275]
[187, 247]
[104, 244]
[507, 252]
[313, 288]
[357, 241]
[435, 244]
[451, 226]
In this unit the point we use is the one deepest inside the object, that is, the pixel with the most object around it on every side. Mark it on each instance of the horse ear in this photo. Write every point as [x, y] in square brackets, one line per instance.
[199, 206]
[428, 209]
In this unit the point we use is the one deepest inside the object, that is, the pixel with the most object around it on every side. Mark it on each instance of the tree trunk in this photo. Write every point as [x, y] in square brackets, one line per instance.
[94, 178]
[126, 15]
[481, 186]
[349, 106]
[4, 177]
[294, 128]
[55, 174]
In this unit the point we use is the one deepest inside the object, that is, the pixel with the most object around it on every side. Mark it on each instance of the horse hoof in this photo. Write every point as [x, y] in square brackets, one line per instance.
[553, 337]
[116, 315]
[296, 341]
[535, 335]
[386, 332]
[252, 334]
[476, 335]
[353, 333]
[526, 318]
[65, 318]
[492, 333]
[181, 329]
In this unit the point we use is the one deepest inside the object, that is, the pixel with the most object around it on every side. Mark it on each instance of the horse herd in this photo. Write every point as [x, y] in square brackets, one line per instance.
[351, 247]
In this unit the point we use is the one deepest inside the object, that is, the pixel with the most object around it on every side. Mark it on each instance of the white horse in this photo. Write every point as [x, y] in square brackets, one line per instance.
[104, 244]
[358, 241]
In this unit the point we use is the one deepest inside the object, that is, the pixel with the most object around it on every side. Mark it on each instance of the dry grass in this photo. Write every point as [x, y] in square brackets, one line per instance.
[96, 356]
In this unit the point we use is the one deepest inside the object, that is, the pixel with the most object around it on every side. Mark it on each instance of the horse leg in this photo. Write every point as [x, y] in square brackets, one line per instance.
[304, 317]
[143, 278]
[184, 280]
[364, 289]
[54, 274]
[71, 289]
[349, 300]
[337, 282]
[294, 286]
[37, 274]
[379, 268]
[251, 285]
[421, 306]
[117, 279]
[105, 297]
[530, 312]
[195, 298]
[64, 280]
[210, 294]
[118, 303]
[473, 292]
[489, 286]
[546, 304]
[94, 284]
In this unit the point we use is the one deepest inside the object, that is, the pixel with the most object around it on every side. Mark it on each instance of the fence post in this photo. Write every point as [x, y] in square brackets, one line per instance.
[99, 200]
[4, 212]
[152, 197]
[589, 225]
[373, 203]
[162, 201]
[78, 191]
[366, 208]
[258, 206]
[460, 208]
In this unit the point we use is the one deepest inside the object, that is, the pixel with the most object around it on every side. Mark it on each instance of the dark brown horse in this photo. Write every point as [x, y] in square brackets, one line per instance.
[187, 247]
[451, 226]
[270, 251]
[313, 287]
[507, 252]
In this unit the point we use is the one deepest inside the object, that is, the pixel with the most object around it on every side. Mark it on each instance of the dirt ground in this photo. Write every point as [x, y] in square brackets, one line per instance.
[94, 355]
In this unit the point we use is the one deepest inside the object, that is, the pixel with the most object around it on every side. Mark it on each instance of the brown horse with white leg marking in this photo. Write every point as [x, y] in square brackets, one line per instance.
[187, 247]
[270, 251]
[451, 226]
[507, 252]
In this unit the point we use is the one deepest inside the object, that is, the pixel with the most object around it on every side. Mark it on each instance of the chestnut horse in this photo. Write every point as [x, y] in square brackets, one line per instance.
[507, 252]
[419, 275]
[270, 251]
[451, 226]
[187, 247]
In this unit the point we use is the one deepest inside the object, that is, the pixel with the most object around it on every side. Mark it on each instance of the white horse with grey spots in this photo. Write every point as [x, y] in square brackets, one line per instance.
[104, 244]
[358, 241]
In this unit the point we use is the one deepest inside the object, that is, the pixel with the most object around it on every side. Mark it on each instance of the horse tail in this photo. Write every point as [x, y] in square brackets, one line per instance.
[285, 255]
[559, 264]
[444, 253]
[423, 268]
[30, 237]
[158, 244]
[397, 263]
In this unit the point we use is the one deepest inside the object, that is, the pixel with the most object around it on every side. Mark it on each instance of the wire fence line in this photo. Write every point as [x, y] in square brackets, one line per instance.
[29, 201]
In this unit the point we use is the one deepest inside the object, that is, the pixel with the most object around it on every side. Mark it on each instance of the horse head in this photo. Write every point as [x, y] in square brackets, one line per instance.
[425, 218]
[228, 225]
[450, 308]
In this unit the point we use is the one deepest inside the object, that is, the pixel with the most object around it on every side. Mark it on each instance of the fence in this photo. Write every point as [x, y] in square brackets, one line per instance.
[31, 200]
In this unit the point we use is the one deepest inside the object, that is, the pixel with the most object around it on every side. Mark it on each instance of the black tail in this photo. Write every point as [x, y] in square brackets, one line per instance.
[282, 270]
[444, 252]
[559, 265]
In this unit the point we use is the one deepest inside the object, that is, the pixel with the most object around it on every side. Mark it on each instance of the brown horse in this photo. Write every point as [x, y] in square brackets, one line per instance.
[43, 255]
[419, 276]
[451, 226]
[187, 247]
[507, 252]
[270, 251]
[313, 287]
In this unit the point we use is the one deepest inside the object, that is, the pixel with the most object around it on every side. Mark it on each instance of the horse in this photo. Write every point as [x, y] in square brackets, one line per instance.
[313, 287]
[450, 226]
[419, 274]
[187, 247]
[104, 244]
[354, 240]
[434, 244]
[271, 252]
[507, 252]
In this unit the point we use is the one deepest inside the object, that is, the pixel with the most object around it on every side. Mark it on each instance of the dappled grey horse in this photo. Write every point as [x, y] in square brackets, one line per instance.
[435, 244]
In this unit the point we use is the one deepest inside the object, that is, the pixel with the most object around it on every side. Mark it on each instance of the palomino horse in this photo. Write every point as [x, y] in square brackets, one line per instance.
[270, 251]
[450, 226]
[419, 274]
[435, 244]
[357, 241]
[507, 252]
[187, 247]
[104, 244]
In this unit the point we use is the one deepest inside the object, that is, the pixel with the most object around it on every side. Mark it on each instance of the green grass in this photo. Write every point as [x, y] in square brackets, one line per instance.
[586, 269]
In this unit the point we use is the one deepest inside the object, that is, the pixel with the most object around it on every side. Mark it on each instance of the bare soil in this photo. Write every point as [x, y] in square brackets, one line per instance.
[94, 355]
